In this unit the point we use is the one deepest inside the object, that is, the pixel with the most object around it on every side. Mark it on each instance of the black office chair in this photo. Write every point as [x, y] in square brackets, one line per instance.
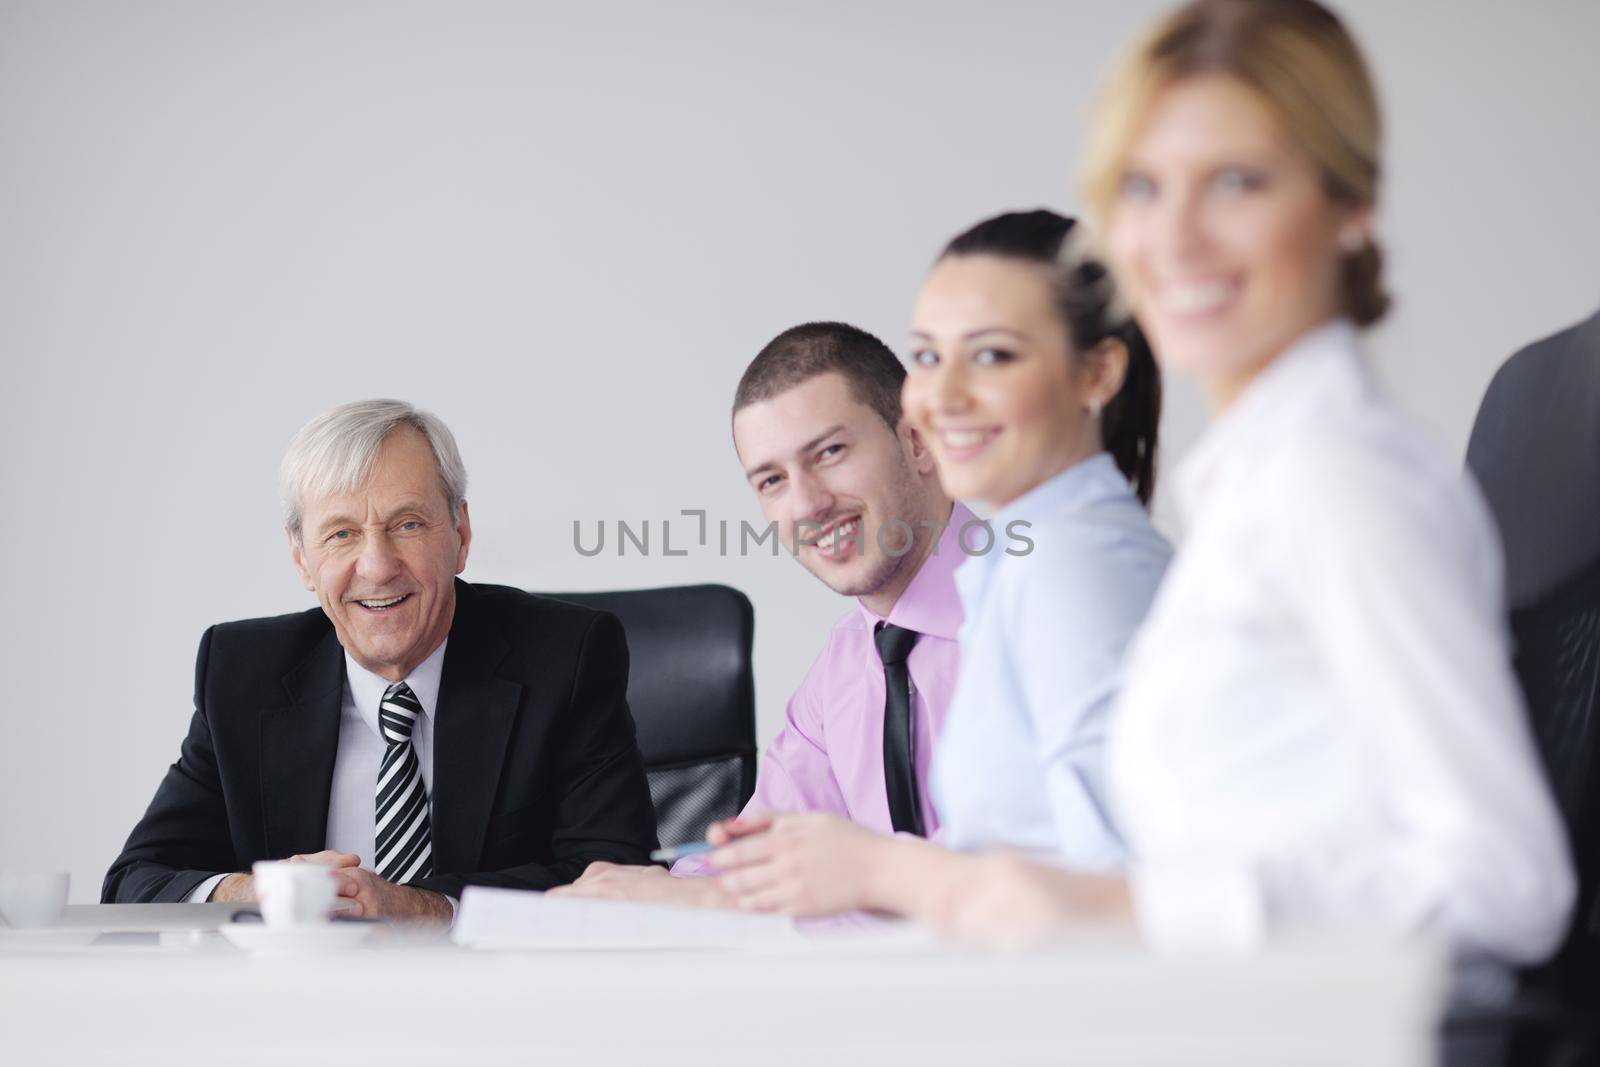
[1535, 450]
[692, 693]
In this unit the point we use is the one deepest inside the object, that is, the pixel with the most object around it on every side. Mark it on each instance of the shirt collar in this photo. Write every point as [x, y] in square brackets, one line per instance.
[1083, 483]
[1308, 372]
[367, 689]
[930, 604]
[1080, 485]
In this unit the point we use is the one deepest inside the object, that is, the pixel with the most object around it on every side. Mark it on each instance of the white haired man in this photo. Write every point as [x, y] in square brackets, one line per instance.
[417, 733]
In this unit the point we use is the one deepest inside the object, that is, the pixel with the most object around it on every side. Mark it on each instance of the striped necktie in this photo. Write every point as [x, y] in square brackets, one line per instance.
[404, 842]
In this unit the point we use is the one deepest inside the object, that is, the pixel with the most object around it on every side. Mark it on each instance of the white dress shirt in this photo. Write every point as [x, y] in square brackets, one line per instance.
[353, 798]
[352, 802]
[1320, 728]
[1021, 761]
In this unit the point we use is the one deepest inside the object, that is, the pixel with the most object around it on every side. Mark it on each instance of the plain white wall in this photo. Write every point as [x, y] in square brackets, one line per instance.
[566, 229]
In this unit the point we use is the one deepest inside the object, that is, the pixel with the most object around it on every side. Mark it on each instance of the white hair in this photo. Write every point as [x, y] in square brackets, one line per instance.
[334, 453]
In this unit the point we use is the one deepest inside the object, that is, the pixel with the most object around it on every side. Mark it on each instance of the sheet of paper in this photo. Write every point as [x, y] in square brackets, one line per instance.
[517, 919]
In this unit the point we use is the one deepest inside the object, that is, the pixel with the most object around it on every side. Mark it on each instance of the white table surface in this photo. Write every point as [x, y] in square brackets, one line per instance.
[195, 998]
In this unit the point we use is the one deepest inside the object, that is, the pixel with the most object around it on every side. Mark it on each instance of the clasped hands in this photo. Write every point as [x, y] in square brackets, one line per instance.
[368, 896]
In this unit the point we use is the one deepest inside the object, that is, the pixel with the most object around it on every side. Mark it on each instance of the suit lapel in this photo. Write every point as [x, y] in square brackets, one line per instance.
[471, 727]
[298, 743]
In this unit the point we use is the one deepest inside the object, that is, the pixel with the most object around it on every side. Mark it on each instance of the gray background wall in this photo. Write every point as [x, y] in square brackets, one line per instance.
[566, 228]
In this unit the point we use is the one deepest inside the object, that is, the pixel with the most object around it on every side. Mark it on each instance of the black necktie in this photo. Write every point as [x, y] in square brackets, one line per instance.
[899, 773]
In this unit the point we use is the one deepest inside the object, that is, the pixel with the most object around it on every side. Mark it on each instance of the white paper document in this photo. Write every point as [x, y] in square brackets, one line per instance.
[519, 919]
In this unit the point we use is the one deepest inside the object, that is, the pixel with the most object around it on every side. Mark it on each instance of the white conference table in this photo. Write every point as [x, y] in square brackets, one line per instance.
[192, 998]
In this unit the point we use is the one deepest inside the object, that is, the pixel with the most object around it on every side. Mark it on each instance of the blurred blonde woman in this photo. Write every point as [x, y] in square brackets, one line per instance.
[1319, 728]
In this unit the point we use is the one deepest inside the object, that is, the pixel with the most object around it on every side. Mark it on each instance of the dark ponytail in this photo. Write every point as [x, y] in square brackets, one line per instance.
[1086, 300]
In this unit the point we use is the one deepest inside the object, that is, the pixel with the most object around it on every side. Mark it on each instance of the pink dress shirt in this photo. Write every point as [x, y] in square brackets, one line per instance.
[829, 754]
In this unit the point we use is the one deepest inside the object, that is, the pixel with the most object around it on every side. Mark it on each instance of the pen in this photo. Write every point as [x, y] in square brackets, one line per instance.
[677, 852]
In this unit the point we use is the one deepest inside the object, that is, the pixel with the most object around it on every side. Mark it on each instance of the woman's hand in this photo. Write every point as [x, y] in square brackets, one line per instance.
[1010, 903]
[802, 865]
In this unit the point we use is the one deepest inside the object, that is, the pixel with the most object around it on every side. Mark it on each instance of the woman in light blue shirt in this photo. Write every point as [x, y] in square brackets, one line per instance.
[1036, 404]
[1041, 402]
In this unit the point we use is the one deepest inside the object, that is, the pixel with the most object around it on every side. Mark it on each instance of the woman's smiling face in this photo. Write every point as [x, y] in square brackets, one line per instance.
[1223, 235]
[993, 386]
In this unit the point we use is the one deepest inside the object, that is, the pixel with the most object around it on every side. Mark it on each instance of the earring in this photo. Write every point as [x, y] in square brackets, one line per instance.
[1094, 409]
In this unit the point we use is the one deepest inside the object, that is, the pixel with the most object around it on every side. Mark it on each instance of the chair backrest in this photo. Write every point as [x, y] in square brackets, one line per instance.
[1535, 450]
[1558, 663]
[691, 689]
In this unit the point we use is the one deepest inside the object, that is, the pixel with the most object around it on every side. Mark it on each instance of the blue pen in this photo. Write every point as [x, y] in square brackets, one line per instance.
[677, 852]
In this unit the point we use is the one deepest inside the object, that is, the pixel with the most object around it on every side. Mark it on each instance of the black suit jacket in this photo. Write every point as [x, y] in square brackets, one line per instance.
[535, 769]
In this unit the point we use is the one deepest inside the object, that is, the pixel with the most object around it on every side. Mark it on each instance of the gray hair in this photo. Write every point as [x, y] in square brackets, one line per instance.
[334, 453]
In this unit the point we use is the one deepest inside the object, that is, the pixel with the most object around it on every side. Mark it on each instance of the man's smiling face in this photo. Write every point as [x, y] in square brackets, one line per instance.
[383, 558]
[831, 473]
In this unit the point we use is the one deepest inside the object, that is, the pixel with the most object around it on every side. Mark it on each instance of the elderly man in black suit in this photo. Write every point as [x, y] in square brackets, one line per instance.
[417, 733]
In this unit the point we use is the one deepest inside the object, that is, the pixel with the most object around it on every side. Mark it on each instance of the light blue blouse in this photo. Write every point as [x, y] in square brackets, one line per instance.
[1021, 760]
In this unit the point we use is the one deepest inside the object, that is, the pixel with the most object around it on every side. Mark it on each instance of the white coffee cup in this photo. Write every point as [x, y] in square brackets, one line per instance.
[294, 893]
[33, 900]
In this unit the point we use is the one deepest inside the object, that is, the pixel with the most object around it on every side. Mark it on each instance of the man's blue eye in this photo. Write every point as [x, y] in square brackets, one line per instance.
[768, 482]
[831, 449]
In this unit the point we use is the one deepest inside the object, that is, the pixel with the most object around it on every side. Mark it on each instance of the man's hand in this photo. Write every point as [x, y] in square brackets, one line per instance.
[234, 889]
[374, 898]
[241, 888]
[802, 865]
[653, 885]
[329, 858]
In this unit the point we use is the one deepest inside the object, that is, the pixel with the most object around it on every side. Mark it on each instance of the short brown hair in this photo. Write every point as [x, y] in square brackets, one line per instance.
[800, 353]
[1298, 59]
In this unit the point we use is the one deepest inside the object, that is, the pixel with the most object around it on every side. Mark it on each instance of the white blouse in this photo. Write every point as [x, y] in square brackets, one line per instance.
[1320, 728]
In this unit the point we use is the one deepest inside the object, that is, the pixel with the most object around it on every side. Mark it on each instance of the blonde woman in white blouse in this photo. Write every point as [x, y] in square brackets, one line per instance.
[1319, 729]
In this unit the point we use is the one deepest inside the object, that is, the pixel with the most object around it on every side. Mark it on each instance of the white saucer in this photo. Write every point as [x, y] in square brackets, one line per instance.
[324, 937]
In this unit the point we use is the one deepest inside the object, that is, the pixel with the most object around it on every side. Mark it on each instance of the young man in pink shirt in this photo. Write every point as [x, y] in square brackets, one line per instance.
[854, 493]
